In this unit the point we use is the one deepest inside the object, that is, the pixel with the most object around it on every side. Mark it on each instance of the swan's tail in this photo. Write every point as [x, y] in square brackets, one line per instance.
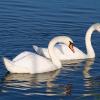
[36, 48]
[8, 63]
[41, 51]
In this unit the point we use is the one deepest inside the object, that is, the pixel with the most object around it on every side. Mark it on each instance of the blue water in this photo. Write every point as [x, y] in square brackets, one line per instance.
[27, 22]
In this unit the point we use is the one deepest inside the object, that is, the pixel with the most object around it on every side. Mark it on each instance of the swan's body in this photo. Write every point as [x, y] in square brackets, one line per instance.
[28, 62]
[64, 53]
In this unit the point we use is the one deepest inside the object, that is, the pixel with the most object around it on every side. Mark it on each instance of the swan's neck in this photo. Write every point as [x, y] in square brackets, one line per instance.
[53, 42]
[90, 50]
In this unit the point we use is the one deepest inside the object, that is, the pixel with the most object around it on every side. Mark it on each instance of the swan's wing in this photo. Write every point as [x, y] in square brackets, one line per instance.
[41, 51]
[79, 54]
[68, 54]
[21, 55]
[60, 47]
[33, 63]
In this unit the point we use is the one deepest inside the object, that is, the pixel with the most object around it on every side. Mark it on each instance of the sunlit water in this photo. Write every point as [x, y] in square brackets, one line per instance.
[27, 22]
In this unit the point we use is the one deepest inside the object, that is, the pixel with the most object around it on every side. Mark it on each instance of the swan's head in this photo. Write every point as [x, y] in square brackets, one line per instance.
[66, 40]
[97, 26]
[62, 39]
[70, 43]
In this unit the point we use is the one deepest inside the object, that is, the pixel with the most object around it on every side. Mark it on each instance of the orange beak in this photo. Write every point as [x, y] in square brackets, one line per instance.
[71, 45]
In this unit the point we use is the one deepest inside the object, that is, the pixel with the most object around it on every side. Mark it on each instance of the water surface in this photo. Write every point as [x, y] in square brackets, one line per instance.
[27, 22]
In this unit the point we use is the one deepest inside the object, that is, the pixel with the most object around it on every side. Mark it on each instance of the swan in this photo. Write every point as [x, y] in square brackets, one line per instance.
[28, 62]
[63, 52]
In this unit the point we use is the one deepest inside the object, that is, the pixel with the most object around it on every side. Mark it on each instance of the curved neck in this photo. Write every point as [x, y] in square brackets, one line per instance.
[90, 50]
[53, 42]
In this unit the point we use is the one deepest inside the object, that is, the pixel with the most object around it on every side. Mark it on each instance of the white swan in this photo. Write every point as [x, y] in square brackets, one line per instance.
[64, 53]
[28, 62]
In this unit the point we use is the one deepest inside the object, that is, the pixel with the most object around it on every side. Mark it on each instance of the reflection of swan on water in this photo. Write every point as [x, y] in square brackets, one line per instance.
[28, 62]
[76, 62]
[89, 82]
[36, 84]
[24, 81]
[64, 53]
[87, 68]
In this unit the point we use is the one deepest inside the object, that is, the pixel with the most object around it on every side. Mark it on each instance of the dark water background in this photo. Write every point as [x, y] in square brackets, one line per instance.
[27, 22]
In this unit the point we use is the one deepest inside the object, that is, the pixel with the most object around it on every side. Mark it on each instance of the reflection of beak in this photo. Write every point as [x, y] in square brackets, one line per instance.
[71, 45]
